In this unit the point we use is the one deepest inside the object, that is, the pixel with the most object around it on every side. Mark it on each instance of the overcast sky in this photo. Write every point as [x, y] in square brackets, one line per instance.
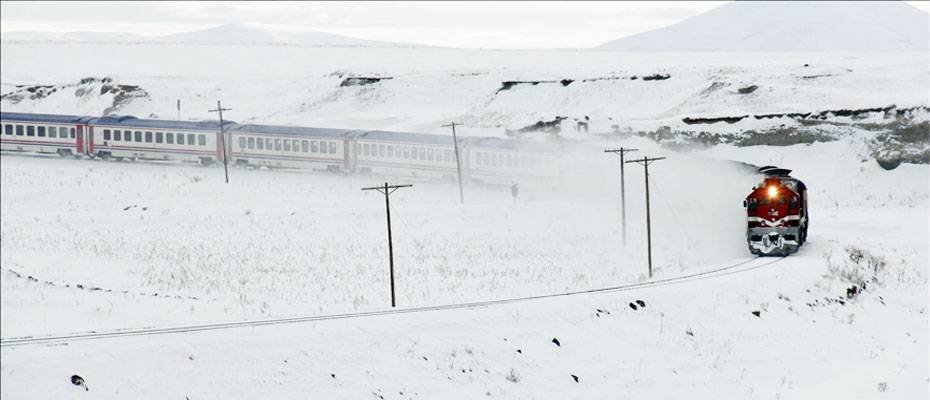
[503, 25]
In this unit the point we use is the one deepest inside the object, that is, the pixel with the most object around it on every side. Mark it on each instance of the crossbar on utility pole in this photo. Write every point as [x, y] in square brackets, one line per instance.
[386, 190]
[621, 152]
[458, 164]
[220, 109]
[645, 163]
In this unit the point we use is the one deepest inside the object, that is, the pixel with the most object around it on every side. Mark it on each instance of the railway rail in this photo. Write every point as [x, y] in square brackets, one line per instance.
[737, 267]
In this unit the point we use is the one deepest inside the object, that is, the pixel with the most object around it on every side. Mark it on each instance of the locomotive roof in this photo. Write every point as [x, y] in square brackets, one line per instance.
[292, 130]
[50, 118]
[133, 122]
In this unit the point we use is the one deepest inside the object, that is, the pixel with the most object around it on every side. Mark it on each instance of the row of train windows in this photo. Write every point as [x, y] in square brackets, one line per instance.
[305, 146]
[507, 160]
[156, 137]
[39, 131]
[406, 152]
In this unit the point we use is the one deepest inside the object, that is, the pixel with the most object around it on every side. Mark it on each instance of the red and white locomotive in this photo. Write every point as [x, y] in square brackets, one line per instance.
[776, 214]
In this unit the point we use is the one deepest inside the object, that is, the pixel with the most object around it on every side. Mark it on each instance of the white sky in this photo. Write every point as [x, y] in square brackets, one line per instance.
[503, 25]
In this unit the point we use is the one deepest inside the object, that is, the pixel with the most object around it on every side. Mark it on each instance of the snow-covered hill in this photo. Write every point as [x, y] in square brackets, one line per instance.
[796, 26]
[229, 34]
[253, 33]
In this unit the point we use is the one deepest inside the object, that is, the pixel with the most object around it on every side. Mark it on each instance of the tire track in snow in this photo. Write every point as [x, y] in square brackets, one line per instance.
[92, 335]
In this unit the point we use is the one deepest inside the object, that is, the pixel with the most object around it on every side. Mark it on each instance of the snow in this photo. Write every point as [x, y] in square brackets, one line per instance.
[293, 85]
[277, 243]
[92, 245]
[809, 26]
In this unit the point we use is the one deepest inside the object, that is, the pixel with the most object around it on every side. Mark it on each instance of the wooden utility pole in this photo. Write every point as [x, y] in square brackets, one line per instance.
[386, 190]
[458, 164]
[220, 109]
[621, 151]
[645, 163]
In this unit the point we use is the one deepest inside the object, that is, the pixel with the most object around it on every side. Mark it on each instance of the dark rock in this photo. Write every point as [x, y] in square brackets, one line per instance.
[575, 377]
[748, 89]
[556, 341]
[641, 303]
[362, 80]
[633, 306]
[757, 313]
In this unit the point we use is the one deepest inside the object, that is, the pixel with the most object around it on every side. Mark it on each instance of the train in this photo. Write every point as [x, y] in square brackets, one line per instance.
[777, 216]
[348, 151]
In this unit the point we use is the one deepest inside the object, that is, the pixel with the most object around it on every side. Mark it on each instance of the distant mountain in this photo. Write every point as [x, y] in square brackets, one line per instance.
[803, 26]
[223, 34]
[268, 34]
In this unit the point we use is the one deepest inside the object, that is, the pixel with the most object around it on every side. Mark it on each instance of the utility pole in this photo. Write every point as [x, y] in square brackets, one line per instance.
[386, 190]
[621, 151]
[645, 163]
[458, 164]
[220, 109]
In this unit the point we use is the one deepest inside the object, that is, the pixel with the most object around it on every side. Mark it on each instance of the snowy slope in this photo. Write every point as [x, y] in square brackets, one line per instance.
[173, 245]
[430, 86]
[798, 26]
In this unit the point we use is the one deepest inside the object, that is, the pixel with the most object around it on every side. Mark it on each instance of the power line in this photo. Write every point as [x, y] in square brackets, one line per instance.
[220, 109]
[386, 190]
[458, 164]
[645, 161]
[621, 151]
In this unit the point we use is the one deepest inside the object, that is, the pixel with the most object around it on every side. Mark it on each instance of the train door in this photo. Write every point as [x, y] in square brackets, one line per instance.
[348, 149]
[220, 142]
[79, 141]
[90, 140]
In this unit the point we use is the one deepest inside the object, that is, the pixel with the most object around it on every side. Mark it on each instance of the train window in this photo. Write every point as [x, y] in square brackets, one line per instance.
[30, 130]
[190, 139]
[304, 146]
[250, 142]
[260, 144]
[267, 144]
[19, 130]
[148, 137]
[41, 130]
[446, 155]
[72, 133]
[52, 132]
[202, 140]
[365, 149]
[277, 144]
[422, 153]
[159, 137]
[117, 135]
[242, 142]
[296, 145]
[137, 136]
[106, 134]
[169, 138]
[390, 151]
[287, 145]
[381, 150]
[8, 129]
[315, 148]
[429, 154]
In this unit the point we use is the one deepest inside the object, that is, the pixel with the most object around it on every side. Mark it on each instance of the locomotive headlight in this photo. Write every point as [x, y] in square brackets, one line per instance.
[773, 192]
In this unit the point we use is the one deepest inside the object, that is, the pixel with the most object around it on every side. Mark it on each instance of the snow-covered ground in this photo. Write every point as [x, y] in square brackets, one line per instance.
[294, 84]
[274, 243]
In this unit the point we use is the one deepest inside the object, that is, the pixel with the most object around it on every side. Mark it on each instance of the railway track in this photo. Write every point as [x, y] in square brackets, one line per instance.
[737, 267]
